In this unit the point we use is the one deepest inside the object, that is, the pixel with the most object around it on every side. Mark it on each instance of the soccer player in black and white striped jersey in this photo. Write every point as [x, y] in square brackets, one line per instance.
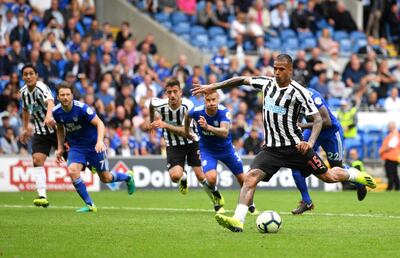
[180, 149]
[285, 147]
[37, 104]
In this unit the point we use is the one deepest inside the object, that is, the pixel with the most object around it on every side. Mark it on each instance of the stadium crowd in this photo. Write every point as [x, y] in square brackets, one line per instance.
[118, 75]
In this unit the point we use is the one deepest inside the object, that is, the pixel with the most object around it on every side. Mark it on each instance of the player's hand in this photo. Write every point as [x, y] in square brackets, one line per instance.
[59, 156]
[201, 89]
[190, 136]
[158, 124]
[49, 121]
[203, 123]
[100, 147]
[24, 137]
[303, 147]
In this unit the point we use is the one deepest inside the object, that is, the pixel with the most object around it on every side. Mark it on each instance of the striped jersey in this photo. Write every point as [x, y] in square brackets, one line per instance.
[174, 117]
[35, 103]
[281, 110]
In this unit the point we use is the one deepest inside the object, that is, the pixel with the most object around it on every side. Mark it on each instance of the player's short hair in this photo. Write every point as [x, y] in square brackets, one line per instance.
[173, 82]
[64, 85]
[285, 58]
[29, 65]
[211, 92]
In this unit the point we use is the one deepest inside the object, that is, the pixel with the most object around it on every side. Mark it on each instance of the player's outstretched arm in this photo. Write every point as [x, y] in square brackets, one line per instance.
[230, 83]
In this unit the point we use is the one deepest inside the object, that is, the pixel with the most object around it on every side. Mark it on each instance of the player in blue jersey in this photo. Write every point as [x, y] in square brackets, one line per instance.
[213, 122]
[330, 139]
[84, 131]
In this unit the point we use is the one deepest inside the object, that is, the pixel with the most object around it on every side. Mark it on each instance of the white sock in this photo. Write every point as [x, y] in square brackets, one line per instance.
[241, 212]
[40, 177]
[352, 174]
[184, 176]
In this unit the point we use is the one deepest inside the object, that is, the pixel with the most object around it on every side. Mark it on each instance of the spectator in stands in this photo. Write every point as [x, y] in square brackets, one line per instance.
[222, 15]
[5, 64]
[300, 72]
[145, 90]
[187, 6]
[8, 142]
[337, 88]
[392, 103]
[314, 14]
[129, 52]
[396, 73]
[341, 19]
[10, 94]
[390, 153]
[386, 78]
[124, 34]
[280, 17]
[53, 12]
[315, 65]
[92, 68]
[353, 73]
[382, 49]
[261, 13]
[238, 49]
[183, 65]
[254, 30]
[220, 62]
[238, 26]
[238, 144]
[369, 82]
[264, 61]
[34, 34]
[75, 66]
[17, 55]
[161, 68]
[106, 64]
[3, 31]
[47, 69]
[374, 20]
[19, 32]
[87, 8]
[369, 47]
[6, 123]
[326, 43]
[373, 104]
[207, 16]
[21, 7]
[321, 85]
[347, 116]
[54, 27]
[53, 44]
[106, 98]
[252, 144]
[10, 21]
[299, 18]
[259, 45]
[128, 146]
[196, 76]
[149, 39]
[391, 24]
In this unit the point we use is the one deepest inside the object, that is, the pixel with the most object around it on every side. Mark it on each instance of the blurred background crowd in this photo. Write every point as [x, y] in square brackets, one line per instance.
[118, 75]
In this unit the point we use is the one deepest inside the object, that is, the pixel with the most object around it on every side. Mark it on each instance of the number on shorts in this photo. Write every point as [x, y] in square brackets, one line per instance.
[315, 163]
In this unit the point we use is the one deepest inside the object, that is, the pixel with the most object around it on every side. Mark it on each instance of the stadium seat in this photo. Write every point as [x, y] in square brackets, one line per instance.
[353, 143]
[305, 34]
[357, 44]
[345, 46]
[339, 35]
[287, 33]
[179, 17]
[290, 45]
[356, 35]
[372, 140]
[186, 37]
[220, 40]
[274, 43]
[181, 28]
[161, 17]
[334, 103]
[215, 30]
[167, 24]
[248, 46]
[308, 43]
[195, 30]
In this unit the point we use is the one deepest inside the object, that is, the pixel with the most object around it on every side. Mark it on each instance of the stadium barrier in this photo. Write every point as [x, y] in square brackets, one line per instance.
[16, 174]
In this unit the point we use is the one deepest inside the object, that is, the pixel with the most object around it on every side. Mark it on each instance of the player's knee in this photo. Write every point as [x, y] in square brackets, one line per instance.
[211, 178]
[74, 173]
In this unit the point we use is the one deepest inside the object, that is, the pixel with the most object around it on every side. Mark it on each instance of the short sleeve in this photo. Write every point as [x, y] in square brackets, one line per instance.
[260, 82]
[307, 103]
[226, 116]
[45, 92]
[88, 113]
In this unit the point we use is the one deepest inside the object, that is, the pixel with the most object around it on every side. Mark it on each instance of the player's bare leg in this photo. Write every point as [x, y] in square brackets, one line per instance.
[252, 208]
[217, 198]
[235, 223]
[338, 174]
[40, 179]
[178, 175]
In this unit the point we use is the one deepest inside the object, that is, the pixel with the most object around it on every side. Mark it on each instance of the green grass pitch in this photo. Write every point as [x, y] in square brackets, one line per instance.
[168, 224]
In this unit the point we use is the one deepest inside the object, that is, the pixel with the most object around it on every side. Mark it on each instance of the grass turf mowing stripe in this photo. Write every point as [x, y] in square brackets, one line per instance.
[377, 215]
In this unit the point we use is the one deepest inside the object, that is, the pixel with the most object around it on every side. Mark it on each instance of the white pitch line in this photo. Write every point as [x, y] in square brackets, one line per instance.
[376, 215]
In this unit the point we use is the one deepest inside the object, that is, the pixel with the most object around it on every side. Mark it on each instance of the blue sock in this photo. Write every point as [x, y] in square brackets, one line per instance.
[82, 191]
[302, 186]
[118, 177]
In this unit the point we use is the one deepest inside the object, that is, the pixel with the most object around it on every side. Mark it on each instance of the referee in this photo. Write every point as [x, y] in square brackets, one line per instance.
[37, 104]
[283, 99]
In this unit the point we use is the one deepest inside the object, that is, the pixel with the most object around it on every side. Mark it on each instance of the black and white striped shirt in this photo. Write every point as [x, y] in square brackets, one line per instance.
[174, 117]
[281, 110]
[35, 103]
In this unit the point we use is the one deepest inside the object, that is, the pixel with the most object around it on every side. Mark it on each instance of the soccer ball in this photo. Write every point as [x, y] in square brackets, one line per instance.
[269, 222]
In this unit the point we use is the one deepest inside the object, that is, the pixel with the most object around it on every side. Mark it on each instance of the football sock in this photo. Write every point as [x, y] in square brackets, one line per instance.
[118, 177]
[240, 212]
[302, 186]
[184, 176]
[352, 174]
[40, 177]
[82, 191]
